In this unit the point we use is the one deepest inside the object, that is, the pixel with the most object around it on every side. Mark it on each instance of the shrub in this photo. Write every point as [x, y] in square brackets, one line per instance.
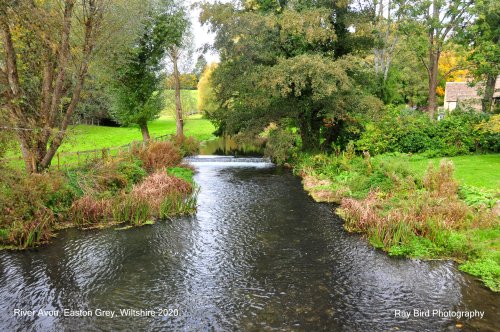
[409, 131]
[477, 197]
[29, 205]
[188, 146]
[132, 171]
[159, 155]
[281, 145]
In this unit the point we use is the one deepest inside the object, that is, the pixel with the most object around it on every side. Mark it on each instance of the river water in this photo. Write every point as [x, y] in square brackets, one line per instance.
[259, 255]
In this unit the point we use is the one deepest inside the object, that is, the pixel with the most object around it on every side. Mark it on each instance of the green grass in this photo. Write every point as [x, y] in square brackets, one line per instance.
[472, 170]
[88, 137]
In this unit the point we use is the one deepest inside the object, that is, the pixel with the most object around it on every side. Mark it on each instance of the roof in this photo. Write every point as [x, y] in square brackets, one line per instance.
[461, 90]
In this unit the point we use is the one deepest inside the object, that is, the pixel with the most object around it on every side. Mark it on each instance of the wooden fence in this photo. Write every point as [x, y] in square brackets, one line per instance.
[65, 160]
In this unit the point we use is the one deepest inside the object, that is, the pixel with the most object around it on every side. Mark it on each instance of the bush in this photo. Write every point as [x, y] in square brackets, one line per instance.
[188, 146]
[30, 205]
[132, 171]
[281, 145]
[159, 155]
[409, 131]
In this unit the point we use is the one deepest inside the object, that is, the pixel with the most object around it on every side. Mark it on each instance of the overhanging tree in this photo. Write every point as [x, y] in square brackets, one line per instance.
[283, 63]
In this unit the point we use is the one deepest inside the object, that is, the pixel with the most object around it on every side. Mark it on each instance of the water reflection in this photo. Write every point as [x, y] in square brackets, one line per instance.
[227, 146]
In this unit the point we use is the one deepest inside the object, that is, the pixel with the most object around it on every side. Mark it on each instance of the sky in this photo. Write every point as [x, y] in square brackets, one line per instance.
[201, 34]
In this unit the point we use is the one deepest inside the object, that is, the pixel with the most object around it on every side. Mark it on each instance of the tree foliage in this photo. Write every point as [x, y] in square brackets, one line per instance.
[285, 64]
[138, 88]
[47, 49]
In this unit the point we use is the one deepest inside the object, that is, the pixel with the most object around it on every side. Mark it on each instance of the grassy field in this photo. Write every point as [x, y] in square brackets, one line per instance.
[473, 170]
[85, 137]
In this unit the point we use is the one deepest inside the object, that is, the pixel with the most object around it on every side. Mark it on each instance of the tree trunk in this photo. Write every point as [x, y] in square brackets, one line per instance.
[145, 131]
[489, 91]
[309, 132]
[433, 81]
[177, 82]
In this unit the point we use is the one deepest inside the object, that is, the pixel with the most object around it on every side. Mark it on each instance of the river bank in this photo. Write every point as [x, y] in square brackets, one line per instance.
[133, 189]
[427, 216]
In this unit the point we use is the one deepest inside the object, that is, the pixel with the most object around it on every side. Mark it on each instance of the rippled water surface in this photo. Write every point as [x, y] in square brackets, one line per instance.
[259, 255]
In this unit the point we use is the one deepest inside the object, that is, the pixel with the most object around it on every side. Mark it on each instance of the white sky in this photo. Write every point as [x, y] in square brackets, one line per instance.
[200, 33]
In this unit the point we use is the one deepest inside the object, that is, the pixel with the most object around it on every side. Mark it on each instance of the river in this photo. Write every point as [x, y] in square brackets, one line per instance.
[259, 255]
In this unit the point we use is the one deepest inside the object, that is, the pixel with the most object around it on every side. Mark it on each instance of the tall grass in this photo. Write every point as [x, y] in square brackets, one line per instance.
[395, 218]
[132, 210]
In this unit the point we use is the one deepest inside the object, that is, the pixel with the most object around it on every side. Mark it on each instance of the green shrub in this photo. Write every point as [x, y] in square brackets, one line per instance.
[281, 145]
[477, 197]
[132, 171]
[409, 131]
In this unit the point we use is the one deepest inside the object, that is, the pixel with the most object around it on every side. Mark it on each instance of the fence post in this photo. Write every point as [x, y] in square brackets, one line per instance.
[78, 160]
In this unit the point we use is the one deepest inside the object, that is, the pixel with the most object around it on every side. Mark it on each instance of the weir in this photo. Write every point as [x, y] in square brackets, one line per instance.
[227, 159]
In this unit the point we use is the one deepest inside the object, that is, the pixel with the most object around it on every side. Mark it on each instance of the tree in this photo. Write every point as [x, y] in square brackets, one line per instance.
[482, 37]
[287, 65]
[440, 19]
[176, 50]
[206, 96]
[47, 50]
[388, 16]
[138, 85]
[187, 81]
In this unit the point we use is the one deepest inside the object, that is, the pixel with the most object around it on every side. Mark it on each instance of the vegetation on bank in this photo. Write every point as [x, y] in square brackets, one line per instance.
[134, 189]
[407, 214]
[391, 184]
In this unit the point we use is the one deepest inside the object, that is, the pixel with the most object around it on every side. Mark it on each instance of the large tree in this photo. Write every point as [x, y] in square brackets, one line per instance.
[482, 37]
[285, 64]
[47, 48]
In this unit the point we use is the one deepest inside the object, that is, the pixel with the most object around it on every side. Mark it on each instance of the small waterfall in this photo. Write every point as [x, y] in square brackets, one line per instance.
[227, 159]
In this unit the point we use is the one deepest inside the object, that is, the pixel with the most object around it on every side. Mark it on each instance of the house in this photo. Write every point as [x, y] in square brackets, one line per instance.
[460, 93]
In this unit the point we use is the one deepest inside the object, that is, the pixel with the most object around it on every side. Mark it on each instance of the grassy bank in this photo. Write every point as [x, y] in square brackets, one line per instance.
[132, 190]
[410, 208]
